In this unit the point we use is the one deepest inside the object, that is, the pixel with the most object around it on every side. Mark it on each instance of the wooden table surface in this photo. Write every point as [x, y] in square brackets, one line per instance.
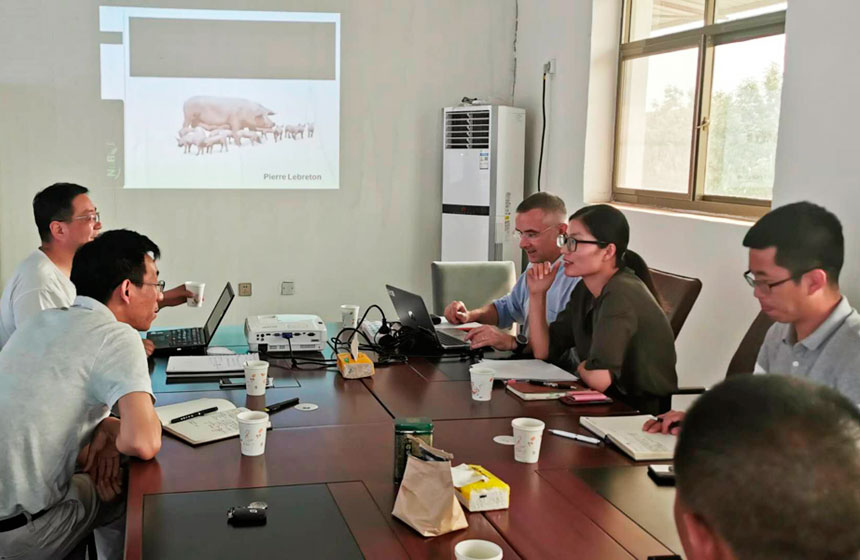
[348, 444]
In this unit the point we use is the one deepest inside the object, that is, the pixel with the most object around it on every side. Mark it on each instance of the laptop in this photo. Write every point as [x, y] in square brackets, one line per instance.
[413, 314]
[192, 340]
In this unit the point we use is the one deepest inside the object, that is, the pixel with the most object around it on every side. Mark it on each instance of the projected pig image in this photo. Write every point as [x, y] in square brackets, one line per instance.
[231, 113]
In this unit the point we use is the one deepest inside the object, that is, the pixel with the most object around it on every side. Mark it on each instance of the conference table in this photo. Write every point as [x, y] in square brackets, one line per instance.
[579, 501]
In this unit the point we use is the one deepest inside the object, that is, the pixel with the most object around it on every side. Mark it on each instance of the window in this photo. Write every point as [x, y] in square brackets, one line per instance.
[699, 85]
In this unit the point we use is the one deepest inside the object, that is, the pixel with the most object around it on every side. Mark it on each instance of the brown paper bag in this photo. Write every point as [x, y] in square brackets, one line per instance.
[426, 500]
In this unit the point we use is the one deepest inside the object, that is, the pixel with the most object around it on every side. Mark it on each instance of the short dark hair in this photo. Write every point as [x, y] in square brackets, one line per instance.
[54, 203]
[806, 237]
[104, 263]
[772, 464]
[548, 202]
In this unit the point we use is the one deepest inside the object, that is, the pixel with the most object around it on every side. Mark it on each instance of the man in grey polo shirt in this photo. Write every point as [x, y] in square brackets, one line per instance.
[60, 374]
[796, 253]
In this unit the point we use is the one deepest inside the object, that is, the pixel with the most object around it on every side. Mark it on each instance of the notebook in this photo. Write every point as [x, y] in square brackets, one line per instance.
[529, 392]
[626, 432]
[214, 426]
[208, 366]
[536, 370]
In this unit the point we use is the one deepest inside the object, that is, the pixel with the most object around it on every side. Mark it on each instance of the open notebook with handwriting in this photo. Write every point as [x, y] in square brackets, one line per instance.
[214, 426]
[626, 432]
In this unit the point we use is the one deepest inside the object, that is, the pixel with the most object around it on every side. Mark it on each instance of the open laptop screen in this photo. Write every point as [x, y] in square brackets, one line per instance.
[218, 312]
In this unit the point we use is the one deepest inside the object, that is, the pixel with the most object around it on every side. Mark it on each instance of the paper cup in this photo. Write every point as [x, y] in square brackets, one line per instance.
[349, 316]
[256, 372]
[195, 288]
[528, 433]
[476, 549]
[252, 432]
[482, 383]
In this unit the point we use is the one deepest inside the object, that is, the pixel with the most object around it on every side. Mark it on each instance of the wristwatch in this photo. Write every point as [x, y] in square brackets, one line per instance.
[522, 341]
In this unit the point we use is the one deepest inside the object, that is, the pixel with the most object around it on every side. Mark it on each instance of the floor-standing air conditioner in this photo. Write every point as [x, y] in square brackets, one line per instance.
[482, 182]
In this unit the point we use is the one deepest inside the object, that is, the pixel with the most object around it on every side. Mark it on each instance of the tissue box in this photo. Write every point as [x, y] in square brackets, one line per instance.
[354, 368]
[486, 492]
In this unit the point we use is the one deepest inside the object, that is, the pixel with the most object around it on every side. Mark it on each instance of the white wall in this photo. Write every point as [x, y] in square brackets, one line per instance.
[709, 250]
[402, 61]
[819, 151]
[559, 29]
[816, 158]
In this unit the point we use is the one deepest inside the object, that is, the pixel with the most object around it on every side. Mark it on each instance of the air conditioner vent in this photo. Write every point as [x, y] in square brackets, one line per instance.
[467, 129]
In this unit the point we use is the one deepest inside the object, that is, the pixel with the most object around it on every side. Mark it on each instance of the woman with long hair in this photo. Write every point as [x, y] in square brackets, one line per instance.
[613, 325]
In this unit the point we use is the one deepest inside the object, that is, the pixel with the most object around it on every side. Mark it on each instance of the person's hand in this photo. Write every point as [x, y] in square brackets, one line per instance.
[456, 313]
[666, 423]
[540, 277]
[102, 460]
[487, 335]
[148, 346]
[175, 296]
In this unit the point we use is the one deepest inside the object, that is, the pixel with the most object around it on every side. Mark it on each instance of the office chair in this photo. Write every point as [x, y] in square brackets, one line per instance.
[677, 294]
[743, 360]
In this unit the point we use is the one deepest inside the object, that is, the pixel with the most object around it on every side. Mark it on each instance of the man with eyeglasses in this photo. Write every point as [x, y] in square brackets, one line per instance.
[796, 253]
[61, 373]
[66, 219]
[540, 219]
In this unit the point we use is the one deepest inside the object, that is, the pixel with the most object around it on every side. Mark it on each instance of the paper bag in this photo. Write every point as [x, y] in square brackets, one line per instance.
[426, 500]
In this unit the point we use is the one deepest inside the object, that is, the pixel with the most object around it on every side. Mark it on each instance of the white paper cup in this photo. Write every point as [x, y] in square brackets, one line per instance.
[252, 432]
[476, 549]
[195, 288]
[528, 433]
[482, 383]
[349, 316]
[256, 372]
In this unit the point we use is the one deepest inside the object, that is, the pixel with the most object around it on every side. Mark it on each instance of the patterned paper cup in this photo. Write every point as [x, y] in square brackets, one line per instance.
[528, 433]
[482, 383]
[256, 372]
[252, 432]
[195, 288]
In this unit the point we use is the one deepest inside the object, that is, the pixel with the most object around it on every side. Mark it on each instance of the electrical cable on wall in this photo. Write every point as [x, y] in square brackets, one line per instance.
[516, 35]
[543, 130]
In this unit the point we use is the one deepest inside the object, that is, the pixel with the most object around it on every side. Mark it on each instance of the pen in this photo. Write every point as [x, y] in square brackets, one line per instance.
[560, 385]
[194, 414]
[272, 408]
[577, 437]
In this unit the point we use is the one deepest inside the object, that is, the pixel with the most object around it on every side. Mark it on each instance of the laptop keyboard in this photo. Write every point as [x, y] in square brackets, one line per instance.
[185, 337]
[448, 340]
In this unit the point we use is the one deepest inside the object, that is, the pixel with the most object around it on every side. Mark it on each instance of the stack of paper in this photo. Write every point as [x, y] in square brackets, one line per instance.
[207, 366]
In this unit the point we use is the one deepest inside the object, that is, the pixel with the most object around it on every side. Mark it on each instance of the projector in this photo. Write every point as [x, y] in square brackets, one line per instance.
[283, 333]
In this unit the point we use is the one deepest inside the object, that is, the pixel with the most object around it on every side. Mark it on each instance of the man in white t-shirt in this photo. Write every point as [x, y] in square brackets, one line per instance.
[61, 373]
[66, 219]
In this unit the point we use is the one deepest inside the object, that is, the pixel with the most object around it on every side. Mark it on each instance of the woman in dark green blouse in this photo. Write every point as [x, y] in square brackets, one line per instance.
[613, 323]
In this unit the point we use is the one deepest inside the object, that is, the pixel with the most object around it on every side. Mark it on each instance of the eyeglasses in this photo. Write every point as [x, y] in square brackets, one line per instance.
[766, 287]
[93, 217]
[571, 243]
[160, 285]
[530, 234]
